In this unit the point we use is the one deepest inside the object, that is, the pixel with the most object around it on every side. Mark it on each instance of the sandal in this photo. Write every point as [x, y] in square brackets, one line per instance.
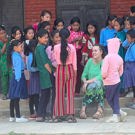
[83, 115]
[71, 119]
[98, 114]
[57, 119]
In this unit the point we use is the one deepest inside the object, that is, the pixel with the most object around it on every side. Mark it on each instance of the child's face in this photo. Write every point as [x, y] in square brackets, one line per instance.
[17, 35]
[127, 25]
[56, 39]
[46, 17]
[48, 27]
[130, 40]
[2, 34]
[91, 29]
[117, 26]
[19, 48]
[96, 52]
[60, 26]
[44, 39]
[75, 26]
[30, 34]
[111, 23]
[132, 14]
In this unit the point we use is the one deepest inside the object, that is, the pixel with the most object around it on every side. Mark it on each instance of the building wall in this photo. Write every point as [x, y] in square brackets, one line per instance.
[32, 8]
[121, 7]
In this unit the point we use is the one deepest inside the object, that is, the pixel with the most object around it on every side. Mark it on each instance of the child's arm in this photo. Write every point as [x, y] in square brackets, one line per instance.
[121, 69]
[44, 59]
[105, 67]
[3, 50]
[102, 37]
[47, 66]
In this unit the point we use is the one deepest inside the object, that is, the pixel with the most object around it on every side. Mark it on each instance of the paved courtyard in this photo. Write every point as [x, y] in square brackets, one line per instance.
[87, 127]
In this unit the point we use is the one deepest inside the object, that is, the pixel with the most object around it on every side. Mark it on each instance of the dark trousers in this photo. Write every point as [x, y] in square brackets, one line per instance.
[50, 105]
[134, 91]
[33, 102]
[14, 104]
[43, 102]
[112, 96]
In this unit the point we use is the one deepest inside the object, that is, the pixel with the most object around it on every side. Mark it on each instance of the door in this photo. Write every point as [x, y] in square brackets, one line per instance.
[96, 10]
[11, 13]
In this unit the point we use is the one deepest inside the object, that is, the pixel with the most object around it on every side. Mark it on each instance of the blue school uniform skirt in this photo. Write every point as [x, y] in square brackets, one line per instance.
[129, 75]
[18, 89]
[34, 84]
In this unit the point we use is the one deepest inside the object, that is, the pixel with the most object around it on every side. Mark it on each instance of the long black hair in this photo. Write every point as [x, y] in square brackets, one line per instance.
[14, 30]
[110, 18]
[56, 22]
[120, 22]
[26, 31]
[93, 24]
[10, 50]
[131, 33]
[64, 34]
[42, 25]
[53, 33]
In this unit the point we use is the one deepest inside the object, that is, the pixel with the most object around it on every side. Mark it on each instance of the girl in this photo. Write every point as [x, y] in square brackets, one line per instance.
[127, 25]
[44, 16]
[89, 39]
[108, 32]
[50, 52]
[75, 38]
[112, 69]
[16, 33]
[65, 55]
[45, 71]
[129, 71]
[118, 26]
[17, 88]
[34, 86]
[4, 70]
[93, 86]
[46, 25]
[58, 24]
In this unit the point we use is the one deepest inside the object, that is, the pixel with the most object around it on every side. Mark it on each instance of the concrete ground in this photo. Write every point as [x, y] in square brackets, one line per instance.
[82, 127]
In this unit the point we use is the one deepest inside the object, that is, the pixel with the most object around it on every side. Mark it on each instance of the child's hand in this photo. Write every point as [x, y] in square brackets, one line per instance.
[84, 87]
[5, 40]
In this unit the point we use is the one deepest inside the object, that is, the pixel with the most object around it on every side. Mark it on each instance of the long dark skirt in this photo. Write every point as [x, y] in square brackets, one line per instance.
[18, 89]
[34, 83]
[129, 75]
[79, 71]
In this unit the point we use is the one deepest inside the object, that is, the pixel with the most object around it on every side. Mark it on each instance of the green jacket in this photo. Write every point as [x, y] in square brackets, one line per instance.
[41, 60]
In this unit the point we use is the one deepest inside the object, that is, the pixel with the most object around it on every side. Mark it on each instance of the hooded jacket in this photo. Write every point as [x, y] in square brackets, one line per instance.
[112, 67]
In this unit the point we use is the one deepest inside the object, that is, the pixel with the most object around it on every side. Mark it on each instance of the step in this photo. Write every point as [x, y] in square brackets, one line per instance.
[91, 109]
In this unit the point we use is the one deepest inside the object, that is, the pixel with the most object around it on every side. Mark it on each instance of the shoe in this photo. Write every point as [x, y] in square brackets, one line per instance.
[33, 117]
[132, 106]
[122, 115]
[115, 118]
[19, 120]
[40, 119]
[11, 119]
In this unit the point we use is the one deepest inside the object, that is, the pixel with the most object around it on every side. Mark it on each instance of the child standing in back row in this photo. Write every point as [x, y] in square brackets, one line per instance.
[75, 39]
[112, 69]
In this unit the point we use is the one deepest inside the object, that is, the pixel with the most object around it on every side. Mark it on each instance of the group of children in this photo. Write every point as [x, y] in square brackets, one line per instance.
[44, 65]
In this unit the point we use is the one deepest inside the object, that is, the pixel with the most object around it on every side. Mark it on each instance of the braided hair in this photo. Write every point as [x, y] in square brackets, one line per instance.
[64, 34]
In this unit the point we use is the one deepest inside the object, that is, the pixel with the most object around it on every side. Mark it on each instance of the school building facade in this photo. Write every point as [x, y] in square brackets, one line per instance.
[26, 12]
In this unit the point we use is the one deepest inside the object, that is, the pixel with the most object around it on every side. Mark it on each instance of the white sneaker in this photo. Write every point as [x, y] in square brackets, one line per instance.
[21, 120]
[122, 115]
[11, 119]
[115, 118]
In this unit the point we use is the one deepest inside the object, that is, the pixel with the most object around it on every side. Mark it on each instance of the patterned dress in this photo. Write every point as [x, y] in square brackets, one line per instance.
[5, 72]
[78, 45]
[94, 91]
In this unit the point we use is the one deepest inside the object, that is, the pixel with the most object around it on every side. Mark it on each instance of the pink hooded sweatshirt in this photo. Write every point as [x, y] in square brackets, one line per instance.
[112, 67]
